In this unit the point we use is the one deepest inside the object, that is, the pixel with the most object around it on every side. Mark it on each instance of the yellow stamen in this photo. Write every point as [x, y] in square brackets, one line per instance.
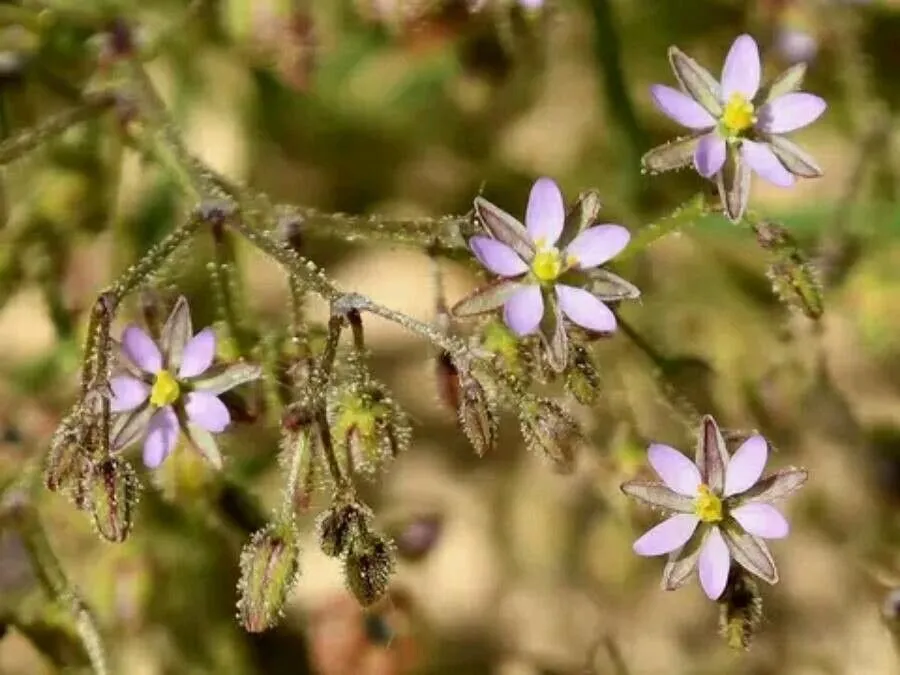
[738, 115]
[707, 506]
[165, 389]
[547, 265]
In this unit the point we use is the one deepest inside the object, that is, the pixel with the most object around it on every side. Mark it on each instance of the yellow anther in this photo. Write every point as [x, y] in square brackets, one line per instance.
[165, 389]
[547, 265]
[707, 506]
[738, 115]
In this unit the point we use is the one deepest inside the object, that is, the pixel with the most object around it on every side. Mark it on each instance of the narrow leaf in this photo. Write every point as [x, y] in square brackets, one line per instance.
[222, 377]
[204, 443]
[658, 495]
[795, 159]
[712, 455]
[790, 80]
[581, 216]
[176, 332]
[775, 486]
[733, 183]
[503, 227]
[609, 287]
[683, 562]
[750, 552]
[552, 330]
[696, 81]
[130, 426]
[670, 156]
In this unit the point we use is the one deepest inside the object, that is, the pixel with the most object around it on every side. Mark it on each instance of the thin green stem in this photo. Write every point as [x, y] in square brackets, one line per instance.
[29, 139]
[608, 50]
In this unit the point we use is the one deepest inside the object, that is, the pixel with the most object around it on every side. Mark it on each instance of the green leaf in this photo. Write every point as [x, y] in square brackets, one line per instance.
[733, 183]
[712, 455]
[794, 158]
[176, 333]
[750, 552]
[223, 377]
[696, 81]
[504, 228]
[683, 562]
[204, 443]
[657, 495]
[790, 80]
[670, 156]
[581, 216]
[552, 330]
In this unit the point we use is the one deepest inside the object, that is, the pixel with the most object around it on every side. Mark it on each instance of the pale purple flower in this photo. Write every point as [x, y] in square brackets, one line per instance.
[166, 387]
[549, 268]
[720, 510]
[736, 125]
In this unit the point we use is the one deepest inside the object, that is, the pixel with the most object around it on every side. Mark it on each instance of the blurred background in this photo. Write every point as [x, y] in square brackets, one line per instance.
[409, 109]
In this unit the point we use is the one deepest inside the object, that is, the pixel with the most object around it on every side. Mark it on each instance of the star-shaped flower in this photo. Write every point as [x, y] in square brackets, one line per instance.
[172, 386]
[737, 125]
[549, 268]
[721, 510]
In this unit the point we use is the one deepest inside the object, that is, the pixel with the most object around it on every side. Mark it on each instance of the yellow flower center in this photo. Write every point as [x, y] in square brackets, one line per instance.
[165, 389]
[707, 506]
[547, 265]
[738, 115]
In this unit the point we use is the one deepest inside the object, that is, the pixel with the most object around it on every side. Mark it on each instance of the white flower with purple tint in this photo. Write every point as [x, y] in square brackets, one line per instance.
[736, 125]
[720, 510]
[170, 386]
[549, 268]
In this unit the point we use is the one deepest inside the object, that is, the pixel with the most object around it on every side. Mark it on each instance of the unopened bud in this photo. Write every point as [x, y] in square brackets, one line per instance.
[368, 568]
[370, 428]
[582, 378]
[342, 525]
[64, 465]
[477, 417]
[113, 493]
[549, 430]
[269, 569]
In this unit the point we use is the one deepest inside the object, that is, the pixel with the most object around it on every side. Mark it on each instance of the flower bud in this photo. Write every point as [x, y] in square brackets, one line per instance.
[368, 568]
[269, 569]
[476, 416]
[448, 381]
[112, 494]
[550, 431]
[342, 525]
[369, 427]
[64, 465]
[582, 379]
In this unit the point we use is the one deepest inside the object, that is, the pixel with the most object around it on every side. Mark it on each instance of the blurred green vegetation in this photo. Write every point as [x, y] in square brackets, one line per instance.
[329, 105]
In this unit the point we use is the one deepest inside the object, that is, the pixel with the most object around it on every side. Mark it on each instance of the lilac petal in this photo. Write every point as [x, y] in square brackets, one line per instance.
[681, 107]
[764, 162]
[585, 309]
[762, 520]
[128, 393]
[523, 310]
[669, 535]
[746, 465]
[198, 354]
[162, 432]
[741, 72]
[790, 112]
[546, 212]
[207, 411]
[497, 257]
[598, 244]
[714, 564]
[709, 157]
[677, 471]
[141, 350]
